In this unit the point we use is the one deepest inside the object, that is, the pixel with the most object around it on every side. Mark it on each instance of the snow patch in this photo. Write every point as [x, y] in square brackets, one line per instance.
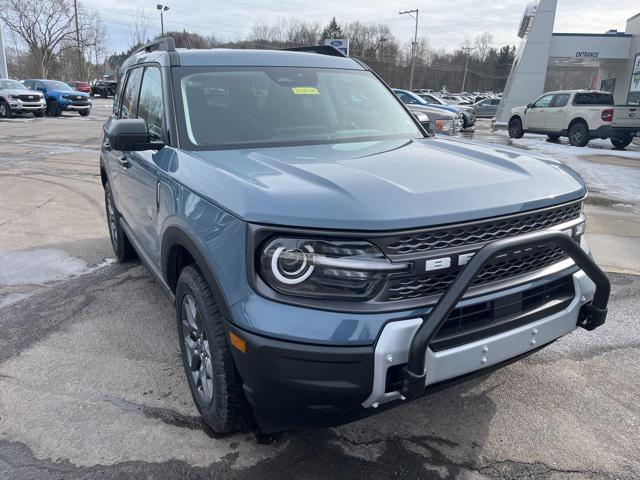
[615, 181]
[41, 266]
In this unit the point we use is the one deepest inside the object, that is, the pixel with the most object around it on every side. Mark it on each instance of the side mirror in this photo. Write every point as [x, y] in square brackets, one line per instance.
[131, 135]
[530, 105]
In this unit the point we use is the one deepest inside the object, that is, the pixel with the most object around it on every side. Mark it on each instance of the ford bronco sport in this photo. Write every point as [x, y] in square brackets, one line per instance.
[327, 258]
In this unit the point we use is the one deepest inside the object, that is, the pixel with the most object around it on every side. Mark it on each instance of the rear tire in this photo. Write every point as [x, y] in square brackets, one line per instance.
[578, 134]
[515, 128]
[214, 382]
[621, 142]
[5, 110]
[119, 242]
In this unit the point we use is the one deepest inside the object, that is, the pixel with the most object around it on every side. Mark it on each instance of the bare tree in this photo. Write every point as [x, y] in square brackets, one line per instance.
[139, 31]
[44, 25]
[483, 44]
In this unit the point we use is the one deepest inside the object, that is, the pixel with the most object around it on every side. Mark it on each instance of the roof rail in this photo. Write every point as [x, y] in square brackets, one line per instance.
[321, 49]
[165, 44]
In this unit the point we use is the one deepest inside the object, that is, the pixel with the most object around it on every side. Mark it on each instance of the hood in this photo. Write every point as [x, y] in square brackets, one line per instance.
[70, 92]
[449, 108]
[436, 113]
[21, 91]
[383, 185]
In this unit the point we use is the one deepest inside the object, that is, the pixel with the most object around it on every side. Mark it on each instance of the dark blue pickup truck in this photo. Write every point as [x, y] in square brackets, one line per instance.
[327, 257]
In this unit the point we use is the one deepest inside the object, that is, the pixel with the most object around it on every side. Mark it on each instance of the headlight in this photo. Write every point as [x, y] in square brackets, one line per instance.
[14, 97]
[325, 268]
[444, 126]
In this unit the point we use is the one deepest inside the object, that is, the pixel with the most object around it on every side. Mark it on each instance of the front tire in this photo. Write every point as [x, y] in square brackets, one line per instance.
[119, 242]
[515, 128]
[578, 134]
[39, 113]
[5, 110]
[54, 109]
[621, 142]
[214, 382]
[84, 113]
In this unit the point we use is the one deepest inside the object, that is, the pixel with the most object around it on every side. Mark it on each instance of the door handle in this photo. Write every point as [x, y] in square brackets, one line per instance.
[124, 162]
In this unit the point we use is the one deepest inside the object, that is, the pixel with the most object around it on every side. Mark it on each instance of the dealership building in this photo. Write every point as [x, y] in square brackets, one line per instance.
[613, 55]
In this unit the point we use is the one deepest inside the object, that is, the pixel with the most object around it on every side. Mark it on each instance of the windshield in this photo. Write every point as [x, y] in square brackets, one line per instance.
[433, 99]
[267, 106]
[55, 85]
[11, 84]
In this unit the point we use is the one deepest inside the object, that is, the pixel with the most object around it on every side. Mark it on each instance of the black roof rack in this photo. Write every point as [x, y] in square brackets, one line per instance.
[164, 44]
[321, 49]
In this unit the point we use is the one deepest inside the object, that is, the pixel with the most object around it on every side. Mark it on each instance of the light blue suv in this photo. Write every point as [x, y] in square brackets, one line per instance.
[327, 258]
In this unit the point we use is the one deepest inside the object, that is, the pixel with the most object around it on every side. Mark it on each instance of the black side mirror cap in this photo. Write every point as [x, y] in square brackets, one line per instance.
[130, 135]
[530, 105]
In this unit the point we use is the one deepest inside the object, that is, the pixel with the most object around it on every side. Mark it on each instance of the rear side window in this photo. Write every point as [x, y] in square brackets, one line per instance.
[593, 98]
[129, 97]
[150, 105]
[560, 100]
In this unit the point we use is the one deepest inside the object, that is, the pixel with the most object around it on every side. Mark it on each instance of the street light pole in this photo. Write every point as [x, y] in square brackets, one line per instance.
[468, 50]
[75, 12]
[3, 58]
[414, 47]
[162, 8]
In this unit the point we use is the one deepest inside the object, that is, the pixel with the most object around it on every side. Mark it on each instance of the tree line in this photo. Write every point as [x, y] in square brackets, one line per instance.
[44, 42]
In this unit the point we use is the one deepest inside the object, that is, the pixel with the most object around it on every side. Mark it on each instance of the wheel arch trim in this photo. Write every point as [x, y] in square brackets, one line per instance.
[175, 236]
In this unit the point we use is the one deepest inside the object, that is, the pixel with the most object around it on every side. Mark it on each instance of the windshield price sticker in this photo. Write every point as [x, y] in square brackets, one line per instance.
[305, 91]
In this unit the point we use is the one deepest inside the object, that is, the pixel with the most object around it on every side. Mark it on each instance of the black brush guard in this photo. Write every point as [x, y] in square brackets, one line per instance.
[594, 314]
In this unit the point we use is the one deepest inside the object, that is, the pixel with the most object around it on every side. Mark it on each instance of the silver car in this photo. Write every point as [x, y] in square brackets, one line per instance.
[487, 107]
[440, 121]
[16, 98]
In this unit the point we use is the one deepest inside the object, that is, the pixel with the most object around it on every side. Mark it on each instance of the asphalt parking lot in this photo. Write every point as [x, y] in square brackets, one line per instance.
[91, 384]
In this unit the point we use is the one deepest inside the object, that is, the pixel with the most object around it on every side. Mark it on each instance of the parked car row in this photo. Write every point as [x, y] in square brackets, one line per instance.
[40, 97]
[465, 115]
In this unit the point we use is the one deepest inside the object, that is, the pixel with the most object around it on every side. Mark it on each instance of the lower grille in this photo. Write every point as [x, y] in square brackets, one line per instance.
[497, 269]
[481, 320]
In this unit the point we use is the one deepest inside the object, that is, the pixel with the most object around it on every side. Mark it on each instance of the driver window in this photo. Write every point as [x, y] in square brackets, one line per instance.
[543, 102]
[150, 104]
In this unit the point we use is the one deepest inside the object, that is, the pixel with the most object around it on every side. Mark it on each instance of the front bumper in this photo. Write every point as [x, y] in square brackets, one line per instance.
[18, 106]
[289, 383]
[76, 107]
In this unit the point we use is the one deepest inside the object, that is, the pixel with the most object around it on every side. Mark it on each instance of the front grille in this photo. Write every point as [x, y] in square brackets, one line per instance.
[481, 320]
[29, 98]
[77, 98]
[477, 232]
[500, 268]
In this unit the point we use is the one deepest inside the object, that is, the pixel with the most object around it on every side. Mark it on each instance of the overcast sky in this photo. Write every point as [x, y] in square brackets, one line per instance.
[444, 23]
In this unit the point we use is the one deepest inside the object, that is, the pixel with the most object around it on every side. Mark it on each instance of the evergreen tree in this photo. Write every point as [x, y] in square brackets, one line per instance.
[333, 30]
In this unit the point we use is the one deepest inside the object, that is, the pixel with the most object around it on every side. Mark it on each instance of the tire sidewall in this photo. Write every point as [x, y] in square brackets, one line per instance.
[120, 247]
[585, 135]
[7, 110]
[217, 414]
[624, 142]
[515, 123]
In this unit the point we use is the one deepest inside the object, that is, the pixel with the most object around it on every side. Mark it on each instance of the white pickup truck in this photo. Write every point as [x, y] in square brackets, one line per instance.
[580, 115]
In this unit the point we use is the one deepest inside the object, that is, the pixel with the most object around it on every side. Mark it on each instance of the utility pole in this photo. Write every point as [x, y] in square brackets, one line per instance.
[414, 47]
[162, 8]
[3, 57]
[467, 50]
[75, 12]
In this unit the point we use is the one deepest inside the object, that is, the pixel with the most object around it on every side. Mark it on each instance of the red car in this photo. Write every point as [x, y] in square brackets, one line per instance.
[80, 86]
